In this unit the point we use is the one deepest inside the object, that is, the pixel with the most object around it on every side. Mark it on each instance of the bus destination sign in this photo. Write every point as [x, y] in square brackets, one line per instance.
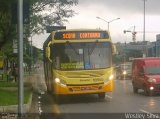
[81, 35]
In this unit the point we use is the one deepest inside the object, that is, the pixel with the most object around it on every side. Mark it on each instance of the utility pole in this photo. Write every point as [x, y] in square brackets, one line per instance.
[144, 30]
[144, 20]
[20, 59]
[133, 33]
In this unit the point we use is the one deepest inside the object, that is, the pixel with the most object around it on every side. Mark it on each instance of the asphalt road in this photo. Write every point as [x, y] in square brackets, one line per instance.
[120, 104]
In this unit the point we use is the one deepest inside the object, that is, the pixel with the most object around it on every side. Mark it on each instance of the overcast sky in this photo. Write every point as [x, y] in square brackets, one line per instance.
[130, 12]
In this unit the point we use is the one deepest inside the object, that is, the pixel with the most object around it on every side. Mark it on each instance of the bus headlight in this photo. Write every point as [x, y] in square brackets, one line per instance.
[57, 80]
[151, 80]
[111, 77]
[62, 82]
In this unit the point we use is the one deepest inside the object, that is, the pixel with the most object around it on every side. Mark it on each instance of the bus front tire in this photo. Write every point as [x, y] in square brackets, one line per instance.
[56, 98]
[101, 95]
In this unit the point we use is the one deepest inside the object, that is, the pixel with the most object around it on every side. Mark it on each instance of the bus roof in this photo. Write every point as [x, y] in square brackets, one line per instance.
[77, 35]
[79, 30]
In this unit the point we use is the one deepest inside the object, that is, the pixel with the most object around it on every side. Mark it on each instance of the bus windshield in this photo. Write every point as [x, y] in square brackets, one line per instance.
[82, 56]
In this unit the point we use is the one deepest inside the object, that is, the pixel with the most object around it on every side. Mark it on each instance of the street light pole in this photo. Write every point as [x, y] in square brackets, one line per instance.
[108, 22]
[144, 29]
[20, 60]
[144, 19]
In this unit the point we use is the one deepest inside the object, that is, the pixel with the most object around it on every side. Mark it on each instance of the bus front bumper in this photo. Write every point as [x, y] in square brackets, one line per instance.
[84, 89]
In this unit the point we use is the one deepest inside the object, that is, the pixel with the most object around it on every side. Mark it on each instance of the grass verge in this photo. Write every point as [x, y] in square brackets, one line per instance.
[10, 97]
[9, 93]
[12, 84]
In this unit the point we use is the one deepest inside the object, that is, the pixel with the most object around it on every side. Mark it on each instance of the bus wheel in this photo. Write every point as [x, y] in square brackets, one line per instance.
[101, 95]
[57, 98]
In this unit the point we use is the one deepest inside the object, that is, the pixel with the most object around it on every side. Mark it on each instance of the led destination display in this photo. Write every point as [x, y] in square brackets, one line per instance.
[81, 35]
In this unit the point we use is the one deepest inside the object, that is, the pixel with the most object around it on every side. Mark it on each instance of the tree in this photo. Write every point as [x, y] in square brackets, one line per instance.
[49, 12]
[6, 27]
[42, 13]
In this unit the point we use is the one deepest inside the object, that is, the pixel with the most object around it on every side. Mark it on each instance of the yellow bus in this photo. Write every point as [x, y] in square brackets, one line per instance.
[79, 62]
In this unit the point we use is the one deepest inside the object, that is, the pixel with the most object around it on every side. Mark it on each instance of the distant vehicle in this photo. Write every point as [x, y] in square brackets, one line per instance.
[146, 75]
[124, 71]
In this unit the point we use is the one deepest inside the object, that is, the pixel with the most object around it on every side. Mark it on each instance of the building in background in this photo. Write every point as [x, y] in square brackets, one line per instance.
[157, 45]
[127, 51]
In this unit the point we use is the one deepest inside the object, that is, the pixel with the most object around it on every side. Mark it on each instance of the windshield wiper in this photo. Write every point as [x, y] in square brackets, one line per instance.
[94, 46]
[72, 47]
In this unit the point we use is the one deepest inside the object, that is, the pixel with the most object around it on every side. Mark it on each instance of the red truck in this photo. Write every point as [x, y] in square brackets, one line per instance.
[146, 75]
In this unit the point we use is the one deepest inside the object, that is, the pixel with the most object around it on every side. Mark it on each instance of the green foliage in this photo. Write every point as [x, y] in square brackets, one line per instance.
[6, 28]
[42, 14]
[9, 93]
[5, 84]
[10, 97]
[49, 12]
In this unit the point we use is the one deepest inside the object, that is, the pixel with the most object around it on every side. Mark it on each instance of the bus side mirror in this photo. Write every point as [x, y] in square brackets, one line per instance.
[48, 53]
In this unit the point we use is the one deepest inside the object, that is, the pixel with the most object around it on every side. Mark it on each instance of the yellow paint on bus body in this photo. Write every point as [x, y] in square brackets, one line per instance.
[83, 82]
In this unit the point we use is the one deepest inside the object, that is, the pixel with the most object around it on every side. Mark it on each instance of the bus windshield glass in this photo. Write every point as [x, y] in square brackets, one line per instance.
[82, 56]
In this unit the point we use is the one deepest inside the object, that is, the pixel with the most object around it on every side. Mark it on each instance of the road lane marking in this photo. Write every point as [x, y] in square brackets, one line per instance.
[40, 110]
[144, 111]
[42, 92]
[39, 97]
[151, 115]
[109, 96]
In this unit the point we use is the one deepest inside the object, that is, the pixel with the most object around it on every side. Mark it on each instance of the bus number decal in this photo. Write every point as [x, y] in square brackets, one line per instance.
[69, 35]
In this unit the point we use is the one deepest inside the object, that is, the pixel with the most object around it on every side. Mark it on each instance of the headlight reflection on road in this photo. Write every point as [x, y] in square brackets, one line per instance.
[124, 84]
[151, 102]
